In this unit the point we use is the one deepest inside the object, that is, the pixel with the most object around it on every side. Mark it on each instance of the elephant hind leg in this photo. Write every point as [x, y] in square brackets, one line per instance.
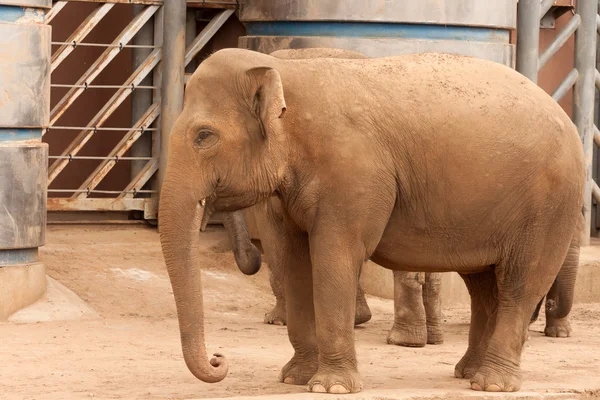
[432, 300]
[483, 321]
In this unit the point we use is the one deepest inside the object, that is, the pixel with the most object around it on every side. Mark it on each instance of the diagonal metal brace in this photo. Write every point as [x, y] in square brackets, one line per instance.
[101, 63]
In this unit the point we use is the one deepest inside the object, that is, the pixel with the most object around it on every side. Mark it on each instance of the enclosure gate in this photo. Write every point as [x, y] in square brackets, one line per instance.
[141, 143]
[584, 77]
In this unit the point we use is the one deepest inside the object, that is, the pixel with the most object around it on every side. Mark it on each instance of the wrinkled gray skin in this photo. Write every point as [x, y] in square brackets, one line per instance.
[417, 302]
[465, 166]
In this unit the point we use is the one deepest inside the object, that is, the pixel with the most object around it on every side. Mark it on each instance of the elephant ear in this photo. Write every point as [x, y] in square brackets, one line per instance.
[268, 102]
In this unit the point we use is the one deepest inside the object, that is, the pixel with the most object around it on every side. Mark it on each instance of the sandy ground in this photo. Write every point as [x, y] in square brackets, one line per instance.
[122, 341]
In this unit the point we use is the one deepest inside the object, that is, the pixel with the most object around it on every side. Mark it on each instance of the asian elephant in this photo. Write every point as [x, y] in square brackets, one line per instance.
[425, 162]
[417, 308]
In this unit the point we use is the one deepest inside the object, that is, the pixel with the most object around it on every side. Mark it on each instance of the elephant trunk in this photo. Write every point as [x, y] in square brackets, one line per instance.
[180, 220]
[247, 256]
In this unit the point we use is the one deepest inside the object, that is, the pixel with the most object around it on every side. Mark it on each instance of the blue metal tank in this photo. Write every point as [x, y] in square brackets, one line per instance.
[380, 28]
[24, 111]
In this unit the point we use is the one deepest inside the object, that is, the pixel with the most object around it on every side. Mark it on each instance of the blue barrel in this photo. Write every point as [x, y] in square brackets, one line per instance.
[380, 28]
[24, 111]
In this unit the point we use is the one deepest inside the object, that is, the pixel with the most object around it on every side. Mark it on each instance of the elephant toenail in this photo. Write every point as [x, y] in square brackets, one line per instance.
[338, 389]
[318, 388]
[289, 380]
[493, 388]
[476, 386]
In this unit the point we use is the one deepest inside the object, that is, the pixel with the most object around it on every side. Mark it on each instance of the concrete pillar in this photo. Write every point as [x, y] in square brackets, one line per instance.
[24, 111]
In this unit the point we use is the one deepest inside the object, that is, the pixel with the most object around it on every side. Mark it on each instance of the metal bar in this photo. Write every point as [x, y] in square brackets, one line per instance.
[123, 204]
[141, 101]
[80, 33]
[120, 45]
[156, 136]
[583, 97]
[121, 148]
[597, 79]
[206, 34]
[565, 85]
[560, 40]
[97, 191]
[140, 180]
[598, 23]
[528, 38]
[596, 192]
[172, 76]
[545, 7]
[101, 63]
[211, 4]
[94, 128]
[114, 158]
[596, 135]
[56, 8]
[133, 87]
[75, 146]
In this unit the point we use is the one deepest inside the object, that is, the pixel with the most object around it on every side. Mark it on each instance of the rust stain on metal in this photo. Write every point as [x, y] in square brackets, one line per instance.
[107, 56]
[119, 150]
[84, 136]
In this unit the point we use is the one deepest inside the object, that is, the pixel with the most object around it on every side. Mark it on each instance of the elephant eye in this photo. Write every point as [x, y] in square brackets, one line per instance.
[203, 135]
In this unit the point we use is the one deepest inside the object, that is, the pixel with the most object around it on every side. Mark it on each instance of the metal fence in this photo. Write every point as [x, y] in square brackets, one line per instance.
[584, 77]
[157, 67]
[141, 143]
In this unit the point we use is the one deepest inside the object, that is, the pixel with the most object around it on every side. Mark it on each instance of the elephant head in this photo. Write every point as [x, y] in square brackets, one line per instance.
[226, 152]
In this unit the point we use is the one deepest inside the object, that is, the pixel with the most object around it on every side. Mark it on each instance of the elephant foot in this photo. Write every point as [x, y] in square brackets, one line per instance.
[435, 335]
[363, 312]
[299, 370]
[467, 367]
[408, 336]
[277, 315]
[337, 382]
[560, 328]
[490, 380]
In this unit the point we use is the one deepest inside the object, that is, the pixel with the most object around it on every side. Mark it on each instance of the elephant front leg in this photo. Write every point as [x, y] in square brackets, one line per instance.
[298, 286]
[336, 265]
[410, 328]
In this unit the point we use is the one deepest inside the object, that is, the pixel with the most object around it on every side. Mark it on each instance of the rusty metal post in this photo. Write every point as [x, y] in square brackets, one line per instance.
[24, 112]
[172, 75]
[528, 38]
[141, 100]
[583, 97]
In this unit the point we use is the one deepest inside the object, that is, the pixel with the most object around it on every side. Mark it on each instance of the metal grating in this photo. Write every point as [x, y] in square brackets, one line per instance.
[141, 192]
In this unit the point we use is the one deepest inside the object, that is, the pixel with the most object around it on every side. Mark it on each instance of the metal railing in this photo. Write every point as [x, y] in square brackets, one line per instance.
[153, 111]
[583, 78]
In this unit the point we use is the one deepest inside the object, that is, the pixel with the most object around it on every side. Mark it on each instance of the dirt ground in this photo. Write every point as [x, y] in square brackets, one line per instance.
[123, 342]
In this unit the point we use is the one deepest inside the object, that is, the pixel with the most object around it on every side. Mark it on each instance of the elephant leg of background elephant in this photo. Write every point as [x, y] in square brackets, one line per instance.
[410, 322]
[277, 316]
[483, 321]
[363, 312]
[555, 327]
[432, 300]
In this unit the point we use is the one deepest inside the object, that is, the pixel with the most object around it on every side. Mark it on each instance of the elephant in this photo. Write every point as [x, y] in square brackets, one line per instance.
[417, 308]
[426, 162]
